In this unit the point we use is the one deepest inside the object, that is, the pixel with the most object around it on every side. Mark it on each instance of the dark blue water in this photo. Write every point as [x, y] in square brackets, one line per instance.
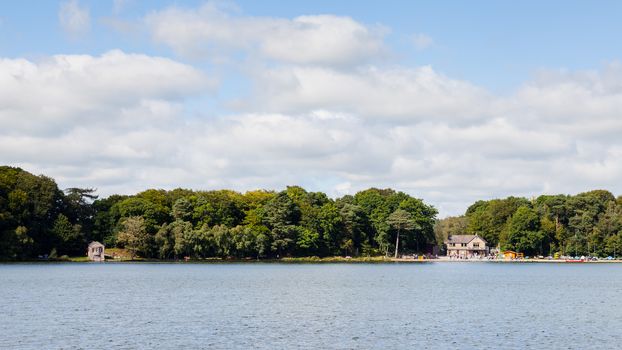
[324, 306]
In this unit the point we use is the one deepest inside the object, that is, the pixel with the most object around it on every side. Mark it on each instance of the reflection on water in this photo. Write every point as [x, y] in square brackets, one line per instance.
[336, 306]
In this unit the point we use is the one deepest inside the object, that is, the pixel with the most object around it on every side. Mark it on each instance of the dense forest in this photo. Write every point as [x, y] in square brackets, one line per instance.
[37, 219]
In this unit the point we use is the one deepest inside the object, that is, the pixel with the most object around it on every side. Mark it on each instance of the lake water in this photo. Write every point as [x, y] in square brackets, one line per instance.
[310, 306]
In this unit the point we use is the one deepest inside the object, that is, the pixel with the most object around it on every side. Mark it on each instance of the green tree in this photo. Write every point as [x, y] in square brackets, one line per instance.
[134, 236]
[452, 225]
[423, 217]
[185, 239]
[523, 232]
[614, 245]
[281, 215]
[182, 209]
[353, 225]
[331, 227]
[262, 240]
[308, 241]
[374, 207]
[16, 244]
[401, 220]
[222, 207]
[489, 219]
[223, 240]
[78, 207]
[165, 241]
[149, 205]
[70, 238]
[106, 219]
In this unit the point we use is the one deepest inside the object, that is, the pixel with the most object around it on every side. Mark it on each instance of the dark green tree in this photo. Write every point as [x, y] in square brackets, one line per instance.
[69, 237]
[523, 232]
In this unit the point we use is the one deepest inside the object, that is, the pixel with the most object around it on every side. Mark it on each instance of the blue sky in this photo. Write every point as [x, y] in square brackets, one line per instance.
[498, 44]
[451, 101]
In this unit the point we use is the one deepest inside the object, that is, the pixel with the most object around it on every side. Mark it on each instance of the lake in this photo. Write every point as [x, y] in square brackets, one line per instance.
[306, 306]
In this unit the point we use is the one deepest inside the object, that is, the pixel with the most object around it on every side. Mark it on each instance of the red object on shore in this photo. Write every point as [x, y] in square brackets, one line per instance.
[575, 260]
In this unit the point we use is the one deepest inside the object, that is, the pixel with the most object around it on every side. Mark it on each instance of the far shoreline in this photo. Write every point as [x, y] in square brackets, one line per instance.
[311, 260]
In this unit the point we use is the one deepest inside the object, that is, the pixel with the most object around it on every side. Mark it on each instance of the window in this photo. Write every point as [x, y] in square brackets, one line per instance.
[476, 245]
[464, 244]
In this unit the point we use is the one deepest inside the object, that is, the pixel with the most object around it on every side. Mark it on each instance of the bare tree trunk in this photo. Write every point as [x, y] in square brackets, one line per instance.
[397, 242]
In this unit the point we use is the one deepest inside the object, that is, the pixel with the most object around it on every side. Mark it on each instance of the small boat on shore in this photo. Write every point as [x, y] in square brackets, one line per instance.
[575, 260]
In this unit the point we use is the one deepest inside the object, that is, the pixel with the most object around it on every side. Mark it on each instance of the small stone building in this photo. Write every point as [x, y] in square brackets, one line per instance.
[466, 246]
[96, 251]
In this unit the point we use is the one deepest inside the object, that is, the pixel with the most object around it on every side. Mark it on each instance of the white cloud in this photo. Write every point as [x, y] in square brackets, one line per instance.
[74, 19]
[396, 94]
[66, 91]
[422, 41]
[319, 39]
[593, 98]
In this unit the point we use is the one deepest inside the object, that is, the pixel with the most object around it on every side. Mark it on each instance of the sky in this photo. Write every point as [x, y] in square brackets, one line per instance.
[449, 101]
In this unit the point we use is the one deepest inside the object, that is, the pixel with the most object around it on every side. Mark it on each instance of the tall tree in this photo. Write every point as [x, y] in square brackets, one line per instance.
[523, 232]
[423, 216]
[79, 206]
[69, 237]
[401, 220]
[281, 215]
[353, 220]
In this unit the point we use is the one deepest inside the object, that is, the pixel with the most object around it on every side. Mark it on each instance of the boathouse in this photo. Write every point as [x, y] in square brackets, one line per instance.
[96, 251]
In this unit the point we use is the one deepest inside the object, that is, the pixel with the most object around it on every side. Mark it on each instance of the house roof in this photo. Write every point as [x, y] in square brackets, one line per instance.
[463, 238]
[95, 243]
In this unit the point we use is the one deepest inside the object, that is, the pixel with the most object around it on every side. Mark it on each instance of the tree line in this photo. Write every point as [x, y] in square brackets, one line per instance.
[37, 219]
[588, 223]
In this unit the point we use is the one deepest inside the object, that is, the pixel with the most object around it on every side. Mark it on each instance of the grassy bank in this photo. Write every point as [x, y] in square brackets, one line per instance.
[336, 259]
[121, 257]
